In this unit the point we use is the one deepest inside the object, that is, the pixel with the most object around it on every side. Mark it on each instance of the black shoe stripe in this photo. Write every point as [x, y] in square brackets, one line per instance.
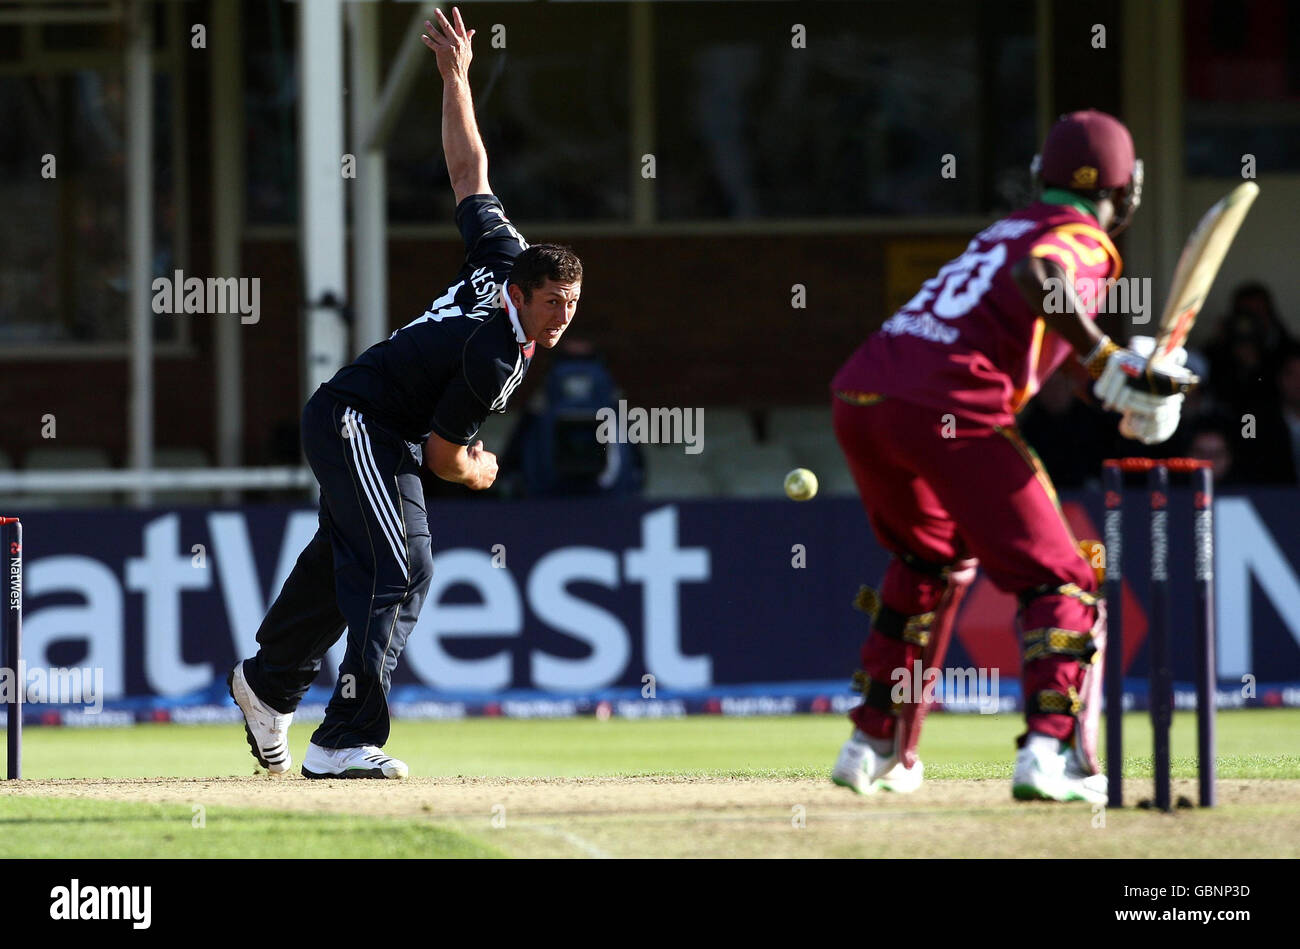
[350, 774]
[267, 757]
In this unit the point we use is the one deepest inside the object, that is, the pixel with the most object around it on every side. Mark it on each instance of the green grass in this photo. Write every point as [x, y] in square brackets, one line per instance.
[54, 827]
[1252, 744]
[1256, 743]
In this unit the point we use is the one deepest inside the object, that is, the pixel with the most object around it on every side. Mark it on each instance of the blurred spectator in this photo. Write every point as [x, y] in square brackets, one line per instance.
[1272, 455]
[1288, 384]
[1244, 352]
[1211, 440]
[1070, 435]
[1199, 401]
[554, 450]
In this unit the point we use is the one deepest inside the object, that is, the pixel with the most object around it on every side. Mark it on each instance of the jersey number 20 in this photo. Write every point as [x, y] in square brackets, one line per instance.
[959, 284]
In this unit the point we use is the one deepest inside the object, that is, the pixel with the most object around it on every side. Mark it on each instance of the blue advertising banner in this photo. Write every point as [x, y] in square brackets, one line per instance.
[560, 607]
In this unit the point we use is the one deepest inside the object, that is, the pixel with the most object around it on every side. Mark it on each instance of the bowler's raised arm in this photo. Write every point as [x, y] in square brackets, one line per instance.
[461, 143]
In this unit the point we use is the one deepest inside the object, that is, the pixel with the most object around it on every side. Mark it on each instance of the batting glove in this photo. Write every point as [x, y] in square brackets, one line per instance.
[1127, 382]
[1154, 427]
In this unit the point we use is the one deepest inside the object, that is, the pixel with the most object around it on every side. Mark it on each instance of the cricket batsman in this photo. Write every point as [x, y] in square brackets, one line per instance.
[416, 398]
[925, 412]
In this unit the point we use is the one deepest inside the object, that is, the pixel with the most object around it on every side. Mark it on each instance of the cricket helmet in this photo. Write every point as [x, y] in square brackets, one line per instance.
[1092, 152]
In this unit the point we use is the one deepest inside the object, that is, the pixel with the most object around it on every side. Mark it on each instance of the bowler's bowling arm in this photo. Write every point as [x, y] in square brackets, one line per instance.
[466, 155]
[462, 146]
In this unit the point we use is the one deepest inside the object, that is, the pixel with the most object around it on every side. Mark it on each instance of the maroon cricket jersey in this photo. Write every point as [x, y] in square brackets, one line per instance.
[968, 343]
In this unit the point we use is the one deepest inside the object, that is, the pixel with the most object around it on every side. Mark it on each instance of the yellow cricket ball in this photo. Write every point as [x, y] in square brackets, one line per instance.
[800, 484]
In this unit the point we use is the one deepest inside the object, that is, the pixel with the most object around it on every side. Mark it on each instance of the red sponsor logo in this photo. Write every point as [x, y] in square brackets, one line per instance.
[1158, 500]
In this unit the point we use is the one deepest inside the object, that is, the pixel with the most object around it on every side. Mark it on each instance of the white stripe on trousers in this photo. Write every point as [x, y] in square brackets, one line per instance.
[372, 482]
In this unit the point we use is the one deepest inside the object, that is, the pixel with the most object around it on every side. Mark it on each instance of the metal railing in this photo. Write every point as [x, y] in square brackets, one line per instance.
[48, 481]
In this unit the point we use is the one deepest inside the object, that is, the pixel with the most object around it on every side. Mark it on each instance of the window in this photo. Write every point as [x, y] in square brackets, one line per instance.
[270, 111]
[856, 123]
[744, 126]
[553, 115]
[1241, 67]
[63, 277]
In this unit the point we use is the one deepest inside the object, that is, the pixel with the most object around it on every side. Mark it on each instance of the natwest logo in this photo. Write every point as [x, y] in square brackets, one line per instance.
[658, 565]
[158, 614]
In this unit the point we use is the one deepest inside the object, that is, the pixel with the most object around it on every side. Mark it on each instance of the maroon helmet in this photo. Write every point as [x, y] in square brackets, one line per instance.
[1092, 152]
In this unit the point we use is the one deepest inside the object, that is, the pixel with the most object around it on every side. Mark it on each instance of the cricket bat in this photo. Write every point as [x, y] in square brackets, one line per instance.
[1198, 265]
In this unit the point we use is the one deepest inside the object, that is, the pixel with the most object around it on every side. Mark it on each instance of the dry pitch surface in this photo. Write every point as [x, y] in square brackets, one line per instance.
[751, 817]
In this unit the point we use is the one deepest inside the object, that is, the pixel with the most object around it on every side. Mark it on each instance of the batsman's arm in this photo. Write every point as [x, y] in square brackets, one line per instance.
[461, 143]
[1050, 294]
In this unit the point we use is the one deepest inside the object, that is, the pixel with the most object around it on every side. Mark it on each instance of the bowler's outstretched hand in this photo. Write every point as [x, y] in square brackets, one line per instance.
[450, 43]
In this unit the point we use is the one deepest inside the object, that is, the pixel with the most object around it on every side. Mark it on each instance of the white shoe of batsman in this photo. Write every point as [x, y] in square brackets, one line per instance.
[363, 761]
[1048, 770]
[266, 729]
[863, 769]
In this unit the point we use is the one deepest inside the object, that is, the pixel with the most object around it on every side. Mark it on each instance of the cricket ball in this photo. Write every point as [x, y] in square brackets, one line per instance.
[800, 484]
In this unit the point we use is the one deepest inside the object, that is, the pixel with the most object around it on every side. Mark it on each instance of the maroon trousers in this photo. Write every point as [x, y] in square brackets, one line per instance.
[938, 489]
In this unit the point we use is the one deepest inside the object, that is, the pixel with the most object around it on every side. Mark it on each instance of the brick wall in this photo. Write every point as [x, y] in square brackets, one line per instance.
[683, 320]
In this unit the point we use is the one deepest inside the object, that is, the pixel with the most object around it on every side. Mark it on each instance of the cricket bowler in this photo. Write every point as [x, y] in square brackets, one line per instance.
[925, 412]
[415, 398]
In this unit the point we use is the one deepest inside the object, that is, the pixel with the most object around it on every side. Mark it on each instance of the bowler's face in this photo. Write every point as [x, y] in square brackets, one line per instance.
[549, 312]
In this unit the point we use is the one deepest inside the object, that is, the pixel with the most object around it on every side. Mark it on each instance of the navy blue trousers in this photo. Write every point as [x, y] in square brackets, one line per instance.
[366, 570]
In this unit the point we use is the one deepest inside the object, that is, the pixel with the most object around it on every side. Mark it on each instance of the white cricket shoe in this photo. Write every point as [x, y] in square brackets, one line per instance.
[864, 767]
[266, 729]
[365, 761]
[902, 780]
[1048, 770]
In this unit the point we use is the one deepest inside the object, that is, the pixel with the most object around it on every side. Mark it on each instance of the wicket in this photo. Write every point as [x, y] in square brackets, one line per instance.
[11, 632]
[1160, 675]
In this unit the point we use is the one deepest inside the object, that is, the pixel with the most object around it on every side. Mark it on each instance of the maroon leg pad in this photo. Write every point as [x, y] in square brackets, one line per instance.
[913, 714]
[910, 592]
